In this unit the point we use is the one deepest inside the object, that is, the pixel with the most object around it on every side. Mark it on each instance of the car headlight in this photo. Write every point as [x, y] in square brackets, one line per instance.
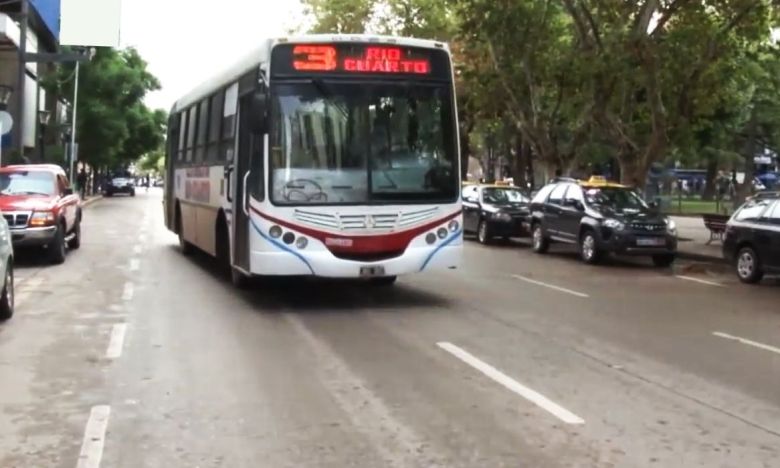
[614, 224]
[671, 227]
[42, 218]
[499, 216]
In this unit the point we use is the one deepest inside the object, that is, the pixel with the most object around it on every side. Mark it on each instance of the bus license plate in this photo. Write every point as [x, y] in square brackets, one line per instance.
[372, 271]
[650, 241]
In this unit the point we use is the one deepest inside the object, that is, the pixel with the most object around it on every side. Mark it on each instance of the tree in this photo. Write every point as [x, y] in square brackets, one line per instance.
[339, 16]
[114, 125]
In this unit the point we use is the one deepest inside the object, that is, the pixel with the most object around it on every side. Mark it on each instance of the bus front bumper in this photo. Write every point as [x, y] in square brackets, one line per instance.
[324, 264]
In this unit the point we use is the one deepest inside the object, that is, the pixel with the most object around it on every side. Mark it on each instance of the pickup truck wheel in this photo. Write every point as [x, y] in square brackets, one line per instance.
[7, 298]
[75, 242]
[56, 247]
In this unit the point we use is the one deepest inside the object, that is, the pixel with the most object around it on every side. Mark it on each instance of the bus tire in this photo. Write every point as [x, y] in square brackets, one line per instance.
[222, 247]
[239, 279]
[184, 246]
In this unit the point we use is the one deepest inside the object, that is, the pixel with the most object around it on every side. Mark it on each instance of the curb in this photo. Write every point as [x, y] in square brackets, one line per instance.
[700, 257]
[90, 201]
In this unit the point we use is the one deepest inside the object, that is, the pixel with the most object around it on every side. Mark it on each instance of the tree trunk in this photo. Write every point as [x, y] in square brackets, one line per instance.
[520, 162]
[465, 153]
[746, 187]
[709, 184]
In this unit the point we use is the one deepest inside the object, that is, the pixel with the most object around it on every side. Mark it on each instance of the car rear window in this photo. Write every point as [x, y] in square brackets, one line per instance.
[752, 210]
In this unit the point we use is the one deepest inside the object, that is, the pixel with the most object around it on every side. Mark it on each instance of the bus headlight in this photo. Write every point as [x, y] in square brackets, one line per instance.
[430, 238]
[275, 232]
[288, 238]
[442, 233]
[302, 242]
[454, 226]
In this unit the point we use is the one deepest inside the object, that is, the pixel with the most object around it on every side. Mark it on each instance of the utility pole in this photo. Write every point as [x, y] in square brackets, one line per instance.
[24, 13]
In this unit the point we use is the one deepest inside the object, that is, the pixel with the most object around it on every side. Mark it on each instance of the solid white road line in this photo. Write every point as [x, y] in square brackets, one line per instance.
[117, 341]
[94, 437]
[135, 264]
[756, 344]
[127, 293]
[534, 397]
[698, 280]
[551, 286]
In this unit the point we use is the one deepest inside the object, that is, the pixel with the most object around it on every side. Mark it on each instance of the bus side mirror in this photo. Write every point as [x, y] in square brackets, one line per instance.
[258, 113]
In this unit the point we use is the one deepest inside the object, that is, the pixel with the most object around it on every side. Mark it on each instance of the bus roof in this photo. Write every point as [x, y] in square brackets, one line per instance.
[262, 53]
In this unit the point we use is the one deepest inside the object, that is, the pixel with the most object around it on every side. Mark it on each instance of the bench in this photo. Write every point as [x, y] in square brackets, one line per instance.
[716, 224]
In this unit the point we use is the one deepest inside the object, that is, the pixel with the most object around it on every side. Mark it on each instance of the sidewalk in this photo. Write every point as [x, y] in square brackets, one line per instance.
[693, 237]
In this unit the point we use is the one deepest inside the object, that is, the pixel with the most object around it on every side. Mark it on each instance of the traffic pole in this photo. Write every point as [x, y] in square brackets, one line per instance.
[73, 123]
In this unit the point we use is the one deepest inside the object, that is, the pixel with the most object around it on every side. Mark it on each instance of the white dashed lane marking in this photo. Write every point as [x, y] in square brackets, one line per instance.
[531, 395]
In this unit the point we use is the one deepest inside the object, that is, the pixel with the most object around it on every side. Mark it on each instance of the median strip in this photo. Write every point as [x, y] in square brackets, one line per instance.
[531, 395]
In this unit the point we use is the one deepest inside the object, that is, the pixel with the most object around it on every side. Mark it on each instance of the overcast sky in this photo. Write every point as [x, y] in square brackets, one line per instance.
[187, 41]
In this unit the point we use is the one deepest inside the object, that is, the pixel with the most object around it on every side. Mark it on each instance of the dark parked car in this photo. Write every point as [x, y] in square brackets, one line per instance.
[601, 217]
[492, 211]
[752, 240]
[119, 184]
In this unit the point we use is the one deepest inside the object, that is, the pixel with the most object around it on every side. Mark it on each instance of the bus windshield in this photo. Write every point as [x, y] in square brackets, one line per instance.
[362, 143]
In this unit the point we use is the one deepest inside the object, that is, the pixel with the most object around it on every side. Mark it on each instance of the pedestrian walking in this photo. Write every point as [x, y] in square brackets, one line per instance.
[147, 181]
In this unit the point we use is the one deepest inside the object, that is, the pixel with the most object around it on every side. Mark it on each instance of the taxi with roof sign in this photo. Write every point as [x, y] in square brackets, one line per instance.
[601, 217]
[495, 210]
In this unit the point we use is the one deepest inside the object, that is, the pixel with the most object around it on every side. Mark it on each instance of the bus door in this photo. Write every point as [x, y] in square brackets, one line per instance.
[241, 168]
[170, 173]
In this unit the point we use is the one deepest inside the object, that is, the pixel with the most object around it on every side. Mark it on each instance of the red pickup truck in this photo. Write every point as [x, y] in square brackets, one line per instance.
[41, 209]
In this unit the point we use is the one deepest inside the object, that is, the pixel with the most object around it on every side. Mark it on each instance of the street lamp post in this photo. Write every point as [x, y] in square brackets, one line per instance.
[5, 96]
[43, 120]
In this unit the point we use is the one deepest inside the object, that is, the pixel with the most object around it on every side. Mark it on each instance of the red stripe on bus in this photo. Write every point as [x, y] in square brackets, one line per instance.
[371, 244]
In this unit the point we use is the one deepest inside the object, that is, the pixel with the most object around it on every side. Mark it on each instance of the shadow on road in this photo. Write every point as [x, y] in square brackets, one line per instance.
[321, 295]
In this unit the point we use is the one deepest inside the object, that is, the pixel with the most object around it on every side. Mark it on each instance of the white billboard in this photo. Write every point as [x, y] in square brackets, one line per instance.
[90, 22]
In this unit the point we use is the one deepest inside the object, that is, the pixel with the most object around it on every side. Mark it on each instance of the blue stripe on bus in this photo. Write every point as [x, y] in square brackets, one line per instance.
[446, 242]
[280, 245]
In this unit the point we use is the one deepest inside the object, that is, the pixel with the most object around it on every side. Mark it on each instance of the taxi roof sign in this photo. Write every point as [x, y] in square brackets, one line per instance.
[600, 181]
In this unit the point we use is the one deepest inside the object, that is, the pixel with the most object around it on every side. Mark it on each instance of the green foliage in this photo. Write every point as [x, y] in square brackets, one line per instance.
[586, 81]
[114, 125]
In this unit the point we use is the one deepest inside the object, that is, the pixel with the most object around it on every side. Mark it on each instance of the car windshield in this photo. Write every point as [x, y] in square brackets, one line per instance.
[27, 183]
[616, 198]
[349, 143]
[503, 195]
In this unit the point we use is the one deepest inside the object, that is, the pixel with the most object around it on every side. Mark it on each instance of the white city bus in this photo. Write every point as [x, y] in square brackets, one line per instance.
[332, 156]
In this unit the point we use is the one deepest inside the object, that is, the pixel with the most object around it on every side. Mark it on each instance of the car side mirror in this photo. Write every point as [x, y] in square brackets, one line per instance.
[653, 205]
[67, 192]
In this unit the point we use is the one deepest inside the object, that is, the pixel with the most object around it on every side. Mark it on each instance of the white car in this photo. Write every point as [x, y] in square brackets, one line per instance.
[7, 267]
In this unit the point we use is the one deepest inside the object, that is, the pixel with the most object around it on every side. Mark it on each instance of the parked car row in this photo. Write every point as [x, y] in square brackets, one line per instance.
[603, 218]
[598, 216]
[39, 211]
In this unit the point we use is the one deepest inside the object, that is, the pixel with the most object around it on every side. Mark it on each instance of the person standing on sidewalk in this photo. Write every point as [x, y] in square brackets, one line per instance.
[81, 181]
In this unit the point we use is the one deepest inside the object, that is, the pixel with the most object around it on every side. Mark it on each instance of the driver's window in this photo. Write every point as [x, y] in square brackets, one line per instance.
[575, 194]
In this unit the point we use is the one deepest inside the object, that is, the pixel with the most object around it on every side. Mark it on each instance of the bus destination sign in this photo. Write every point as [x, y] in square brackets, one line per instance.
[351, 59]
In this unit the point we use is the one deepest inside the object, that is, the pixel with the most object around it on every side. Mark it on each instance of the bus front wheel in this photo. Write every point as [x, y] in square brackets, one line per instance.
[384, 281]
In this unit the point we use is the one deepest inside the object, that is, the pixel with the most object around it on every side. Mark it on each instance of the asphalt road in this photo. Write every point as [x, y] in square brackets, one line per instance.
[132, 355]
